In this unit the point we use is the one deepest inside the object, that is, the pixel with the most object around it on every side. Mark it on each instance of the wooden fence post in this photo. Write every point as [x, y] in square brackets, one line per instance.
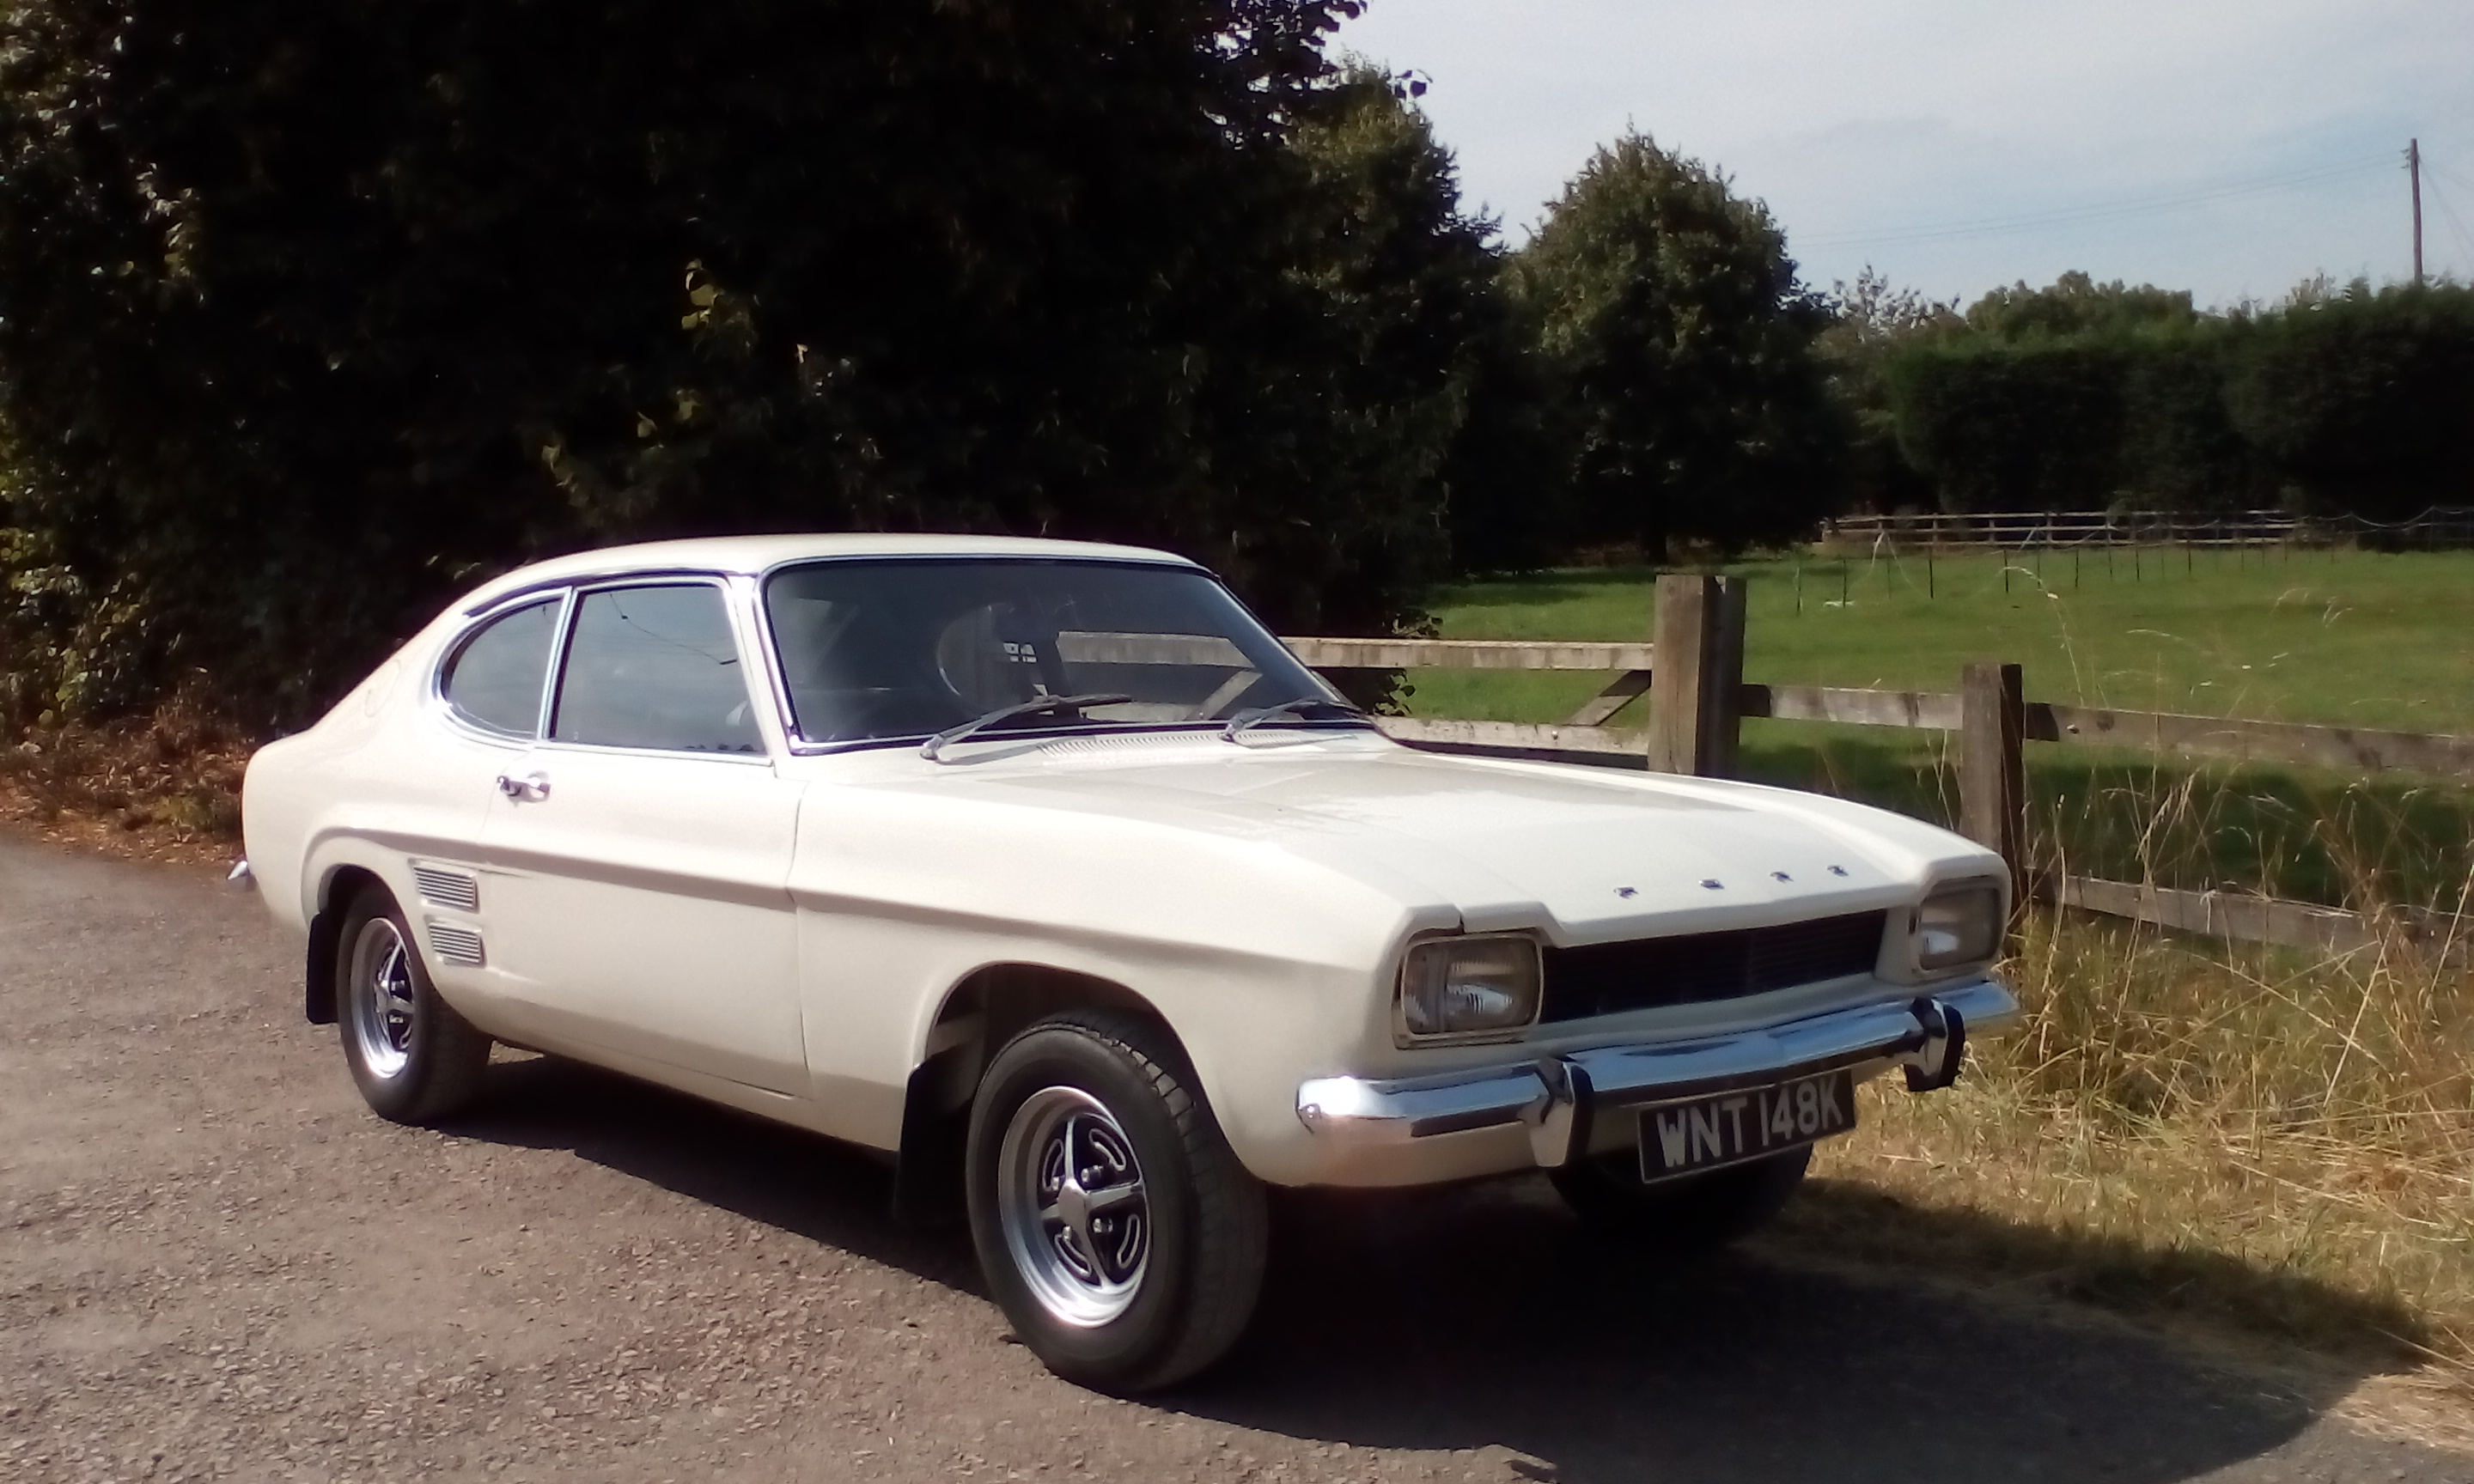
[1992, 772]
[1697, 676]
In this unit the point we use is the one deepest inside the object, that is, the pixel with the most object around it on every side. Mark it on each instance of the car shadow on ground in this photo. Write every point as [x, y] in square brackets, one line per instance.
[1485, 1318]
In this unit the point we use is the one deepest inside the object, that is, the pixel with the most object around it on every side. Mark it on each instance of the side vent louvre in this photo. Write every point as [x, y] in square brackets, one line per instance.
[456, 945]
[448, 888]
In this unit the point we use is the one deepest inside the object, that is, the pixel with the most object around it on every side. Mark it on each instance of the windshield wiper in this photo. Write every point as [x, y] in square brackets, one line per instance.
[1247, 719]
[1031, 707]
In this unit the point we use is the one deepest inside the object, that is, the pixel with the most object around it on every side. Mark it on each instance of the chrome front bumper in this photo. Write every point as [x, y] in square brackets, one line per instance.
[1559, 1096]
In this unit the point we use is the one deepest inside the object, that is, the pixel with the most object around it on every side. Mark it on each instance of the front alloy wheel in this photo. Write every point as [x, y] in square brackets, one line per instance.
[1115, 1227]
[1070, 1191]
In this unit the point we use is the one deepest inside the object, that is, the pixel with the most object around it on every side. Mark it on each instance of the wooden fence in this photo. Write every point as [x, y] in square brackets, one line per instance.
[1697, 699]
[2440, 527]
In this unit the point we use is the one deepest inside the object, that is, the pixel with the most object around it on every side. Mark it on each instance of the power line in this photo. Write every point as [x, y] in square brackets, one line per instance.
[2176, 200]
[2457, 223]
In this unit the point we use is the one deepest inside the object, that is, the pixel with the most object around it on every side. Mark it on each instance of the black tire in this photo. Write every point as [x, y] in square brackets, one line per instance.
[1691, 1214]
[1149, 1291]
[415, 1059]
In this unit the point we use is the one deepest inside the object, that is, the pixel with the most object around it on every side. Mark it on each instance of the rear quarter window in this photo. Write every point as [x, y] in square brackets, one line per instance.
[494, 677]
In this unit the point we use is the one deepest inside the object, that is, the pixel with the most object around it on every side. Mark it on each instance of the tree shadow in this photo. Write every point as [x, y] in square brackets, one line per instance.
[1484, 1317]
[2124, 815]
[1556, 584]
[833, 1193]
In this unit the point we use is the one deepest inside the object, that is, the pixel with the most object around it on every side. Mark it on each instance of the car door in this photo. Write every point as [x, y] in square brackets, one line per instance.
[434, 796]
[640, 852]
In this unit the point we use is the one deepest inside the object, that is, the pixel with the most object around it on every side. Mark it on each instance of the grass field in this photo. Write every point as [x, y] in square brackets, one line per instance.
[2348, 638]
[2343, 638]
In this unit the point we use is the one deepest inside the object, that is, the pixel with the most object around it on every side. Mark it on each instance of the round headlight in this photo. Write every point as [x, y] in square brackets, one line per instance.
[1468, 985]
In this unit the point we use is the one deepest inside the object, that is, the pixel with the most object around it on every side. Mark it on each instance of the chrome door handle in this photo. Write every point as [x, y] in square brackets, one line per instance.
[534, 787]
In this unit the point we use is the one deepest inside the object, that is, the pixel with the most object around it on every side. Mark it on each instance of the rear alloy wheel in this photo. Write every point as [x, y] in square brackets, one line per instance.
[415, 1059]
[1690, 1213]
[1116, 1229]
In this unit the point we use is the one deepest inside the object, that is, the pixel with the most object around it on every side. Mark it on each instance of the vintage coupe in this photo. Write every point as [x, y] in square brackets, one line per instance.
[1042, 868]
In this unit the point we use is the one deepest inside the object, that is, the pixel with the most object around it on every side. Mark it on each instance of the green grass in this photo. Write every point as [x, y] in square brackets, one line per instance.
[2343, 637]
[2358, 638]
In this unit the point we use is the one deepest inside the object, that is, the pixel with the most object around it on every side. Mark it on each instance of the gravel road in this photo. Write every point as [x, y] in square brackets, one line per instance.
[215, 1263]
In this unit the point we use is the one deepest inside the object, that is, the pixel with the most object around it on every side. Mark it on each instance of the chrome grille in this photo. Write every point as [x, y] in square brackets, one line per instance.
[456, 945]
[1693, 968]
[448, 888]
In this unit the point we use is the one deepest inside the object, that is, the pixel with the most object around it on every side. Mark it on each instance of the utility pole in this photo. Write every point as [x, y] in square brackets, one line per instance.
[2413, 169]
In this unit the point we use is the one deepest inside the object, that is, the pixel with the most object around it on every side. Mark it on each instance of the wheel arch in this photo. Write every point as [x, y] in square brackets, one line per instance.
[337, 887]
[978, 1016]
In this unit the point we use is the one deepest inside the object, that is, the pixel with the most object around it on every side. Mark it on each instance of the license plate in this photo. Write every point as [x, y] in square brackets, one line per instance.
[1729, 1128]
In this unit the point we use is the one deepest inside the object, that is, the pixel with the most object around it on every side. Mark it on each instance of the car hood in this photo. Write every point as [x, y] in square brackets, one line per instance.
[1590, 855]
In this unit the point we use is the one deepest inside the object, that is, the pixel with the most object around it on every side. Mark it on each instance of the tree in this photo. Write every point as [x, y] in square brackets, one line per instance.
[1400, 290]
[1871, 321]
[2076, 304]
[1681, 344]
[313, 310]
[1416, 286]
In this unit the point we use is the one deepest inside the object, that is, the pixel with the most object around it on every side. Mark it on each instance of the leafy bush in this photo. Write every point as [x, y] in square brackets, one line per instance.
[2082, 395]
[311, 313]
[1995, 426]
[2364, 401]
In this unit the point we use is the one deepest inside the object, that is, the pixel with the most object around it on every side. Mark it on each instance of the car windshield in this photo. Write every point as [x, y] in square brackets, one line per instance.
[897, 649]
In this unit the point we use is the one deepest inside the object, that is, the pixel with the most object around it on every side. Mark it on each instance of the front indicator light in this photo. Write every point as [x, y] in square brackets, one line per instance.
[1958, 924]
[1468, 985]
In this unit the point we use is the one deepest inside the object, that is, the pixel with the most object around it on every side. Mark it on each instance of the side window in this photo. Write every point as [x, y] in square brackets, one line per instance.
[495, 679]
[655, 667]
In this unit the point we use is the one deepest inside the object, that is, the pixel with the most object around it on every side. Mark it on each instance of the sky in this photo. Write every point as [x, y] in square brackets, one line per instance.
[2233, 148]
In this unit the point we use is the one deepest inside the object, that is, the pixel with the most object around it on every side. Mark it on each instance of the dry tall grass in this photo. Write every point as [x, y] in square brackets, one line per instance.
[2252, 1137]
[2262, 1139]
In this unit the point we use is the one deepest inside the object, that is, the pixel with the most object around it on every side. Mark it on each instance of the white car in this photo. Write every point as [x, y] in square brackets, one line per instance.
[1043, 867]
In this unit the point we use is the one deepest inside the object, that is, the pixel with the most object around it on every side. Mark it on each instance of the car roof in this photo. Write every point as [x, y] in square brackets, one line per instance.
[750, 555]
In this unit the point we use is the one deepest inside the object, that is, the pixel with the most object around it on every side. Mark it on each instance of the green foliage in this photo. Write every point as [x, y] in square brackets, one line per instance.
[2179, 448]
[2076, 304]
[1403, 291]
[2082, 395]
[1870, 321]
[1680, 343]
[1417, 289]
[2363, 400]
[312, 312]
[1995, 426]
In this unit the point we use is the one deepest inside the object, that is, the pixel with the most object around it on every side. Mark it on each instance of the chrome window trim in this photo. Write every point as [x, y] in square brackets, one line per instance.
[435, 697]
[800, 746]
[601, 579]
[581, 589]
[606, 749]
[764, 575]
